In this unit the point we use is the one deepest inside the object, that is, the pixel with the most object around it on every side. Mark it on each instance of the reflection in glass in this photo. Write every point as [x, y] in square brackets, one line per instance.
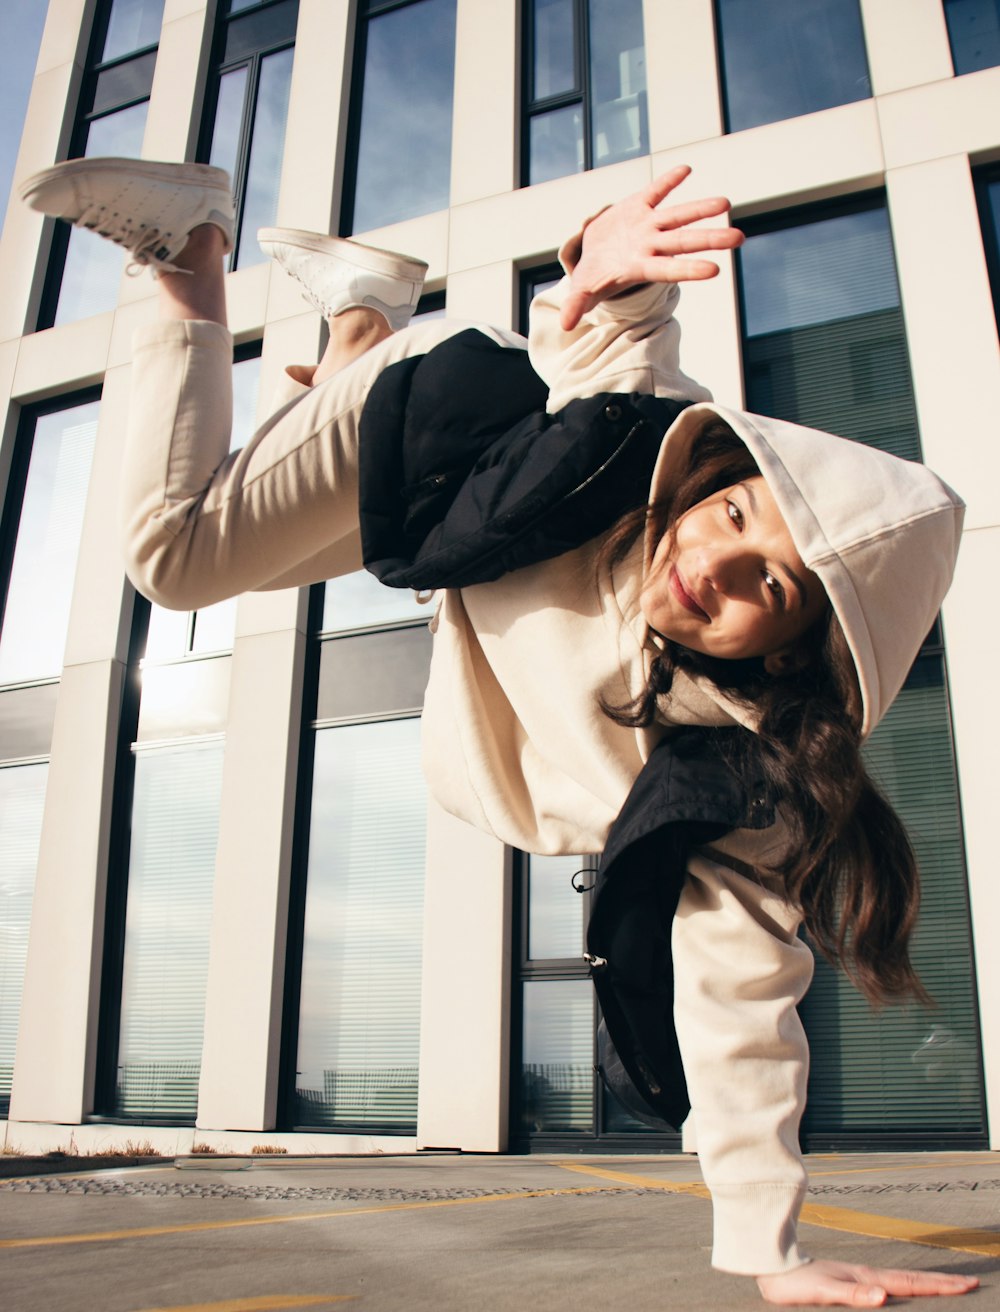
[358, 601]
[228, 119]
[556, 144]
[404, 150]
[94, 266]
[134, 24]
[175, 820]
[825, 344]
[260, 203]
[908, 1067]
[359, 1022]
[36, 616]
[555, 908]
[554, 48]
[557, 1061]
[783, 58]
[617, 81]
[27, 715]
[22, 796]
[974, 32]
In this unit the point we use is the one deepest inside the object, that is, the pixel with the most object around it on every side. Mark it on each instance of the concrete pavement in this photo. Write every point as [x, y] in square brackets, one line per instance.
[463, 1233]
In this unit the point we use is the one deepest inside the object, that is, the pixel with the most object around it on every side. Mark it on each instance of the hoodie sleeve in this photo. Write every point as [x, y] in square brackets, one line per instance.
[739, 973]
[629, 343]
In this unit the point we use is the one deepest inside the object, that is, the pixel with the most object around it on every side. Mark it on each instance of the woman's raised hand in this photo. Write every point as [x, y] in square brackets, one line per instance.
[641, 240]
[843, 1284]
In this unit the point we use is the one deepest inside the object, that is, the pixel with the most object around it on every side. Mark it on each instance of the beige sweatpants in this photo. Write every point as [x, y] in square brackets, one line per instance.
[200, 524]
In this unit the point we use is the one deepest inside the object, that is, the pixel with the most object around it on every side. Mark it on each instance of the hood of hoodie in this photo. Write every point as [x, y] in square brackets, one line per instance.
[881, 534]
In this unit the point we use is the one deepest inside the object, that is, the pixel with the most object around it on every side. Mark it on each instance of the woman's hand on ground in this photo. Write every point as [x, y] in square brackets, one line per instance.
[843, 1284]
[640, 240]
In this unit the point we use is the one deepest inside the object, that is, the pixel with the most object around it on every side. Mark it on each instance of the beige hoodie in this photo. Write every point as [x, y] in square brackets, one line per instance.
[516, 743]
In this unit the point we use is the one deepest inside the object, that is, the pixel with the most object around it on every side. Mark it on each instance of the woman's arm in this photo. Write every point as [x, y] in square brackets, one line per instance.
[740, 971]
[609, 325]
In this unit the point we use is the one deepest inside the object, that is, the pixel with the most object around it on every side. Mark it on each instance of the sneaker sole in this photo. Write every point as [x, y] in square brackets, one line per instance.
[370, 258]
[202, 175]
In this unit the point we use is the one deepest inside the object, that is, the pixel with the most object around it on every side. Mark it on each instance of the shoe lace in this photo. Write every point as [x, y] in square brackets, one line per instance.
[146, 245]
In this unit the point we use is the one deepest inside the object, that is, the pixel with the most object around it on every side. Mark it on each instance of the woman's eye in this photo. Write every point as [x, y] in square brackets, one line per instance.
[735, 514]
[773, 585]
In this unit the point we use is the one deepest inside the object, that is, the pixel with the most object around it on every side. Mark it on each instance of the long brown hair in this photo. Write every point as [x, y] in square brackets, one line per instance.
[849, 866]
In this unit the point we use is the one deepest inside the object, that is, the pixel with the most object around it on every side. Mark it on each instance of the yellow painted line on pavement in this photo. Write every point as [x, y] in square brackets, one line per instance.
[147, 1232]
[260, 1303]
[985, 1242]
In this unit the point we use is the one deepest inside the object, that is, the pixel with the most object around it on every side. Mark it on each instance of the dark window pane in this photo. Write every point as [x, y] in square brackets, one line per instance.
[359, 1020]
[783, 58]
[373, 674]
[40, 592]
[404, 148]
[134, 25]
[557, 1055]
[261, 30]
[556, 144]
[974, 32]
[26, 719]
[554, 48]
[260, 202]
[617, 81]
[94, 266]
[124, 83]
[175, 821]
[989, 209]
[22, 797]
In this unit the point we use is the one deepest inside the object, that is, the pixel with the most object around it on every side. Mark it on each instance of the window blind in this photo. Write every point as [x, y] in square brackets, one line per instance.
[175, 822]
[359, 1021]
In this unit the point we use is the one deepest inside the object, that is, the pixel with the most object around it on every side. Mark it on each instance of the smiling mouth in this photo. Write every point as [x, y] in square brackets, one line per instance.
[683, 596]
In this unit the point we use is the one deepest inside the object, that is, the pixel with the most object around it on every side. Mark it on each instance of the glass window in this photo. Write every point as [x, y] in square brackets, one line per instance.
[555, 906]
[49, 525]
[824, 341]
[402, 118]
[246, 135]
[783, 58]
[824, 345]
[22, 35]
[22, 797]
[175, 817]
[586, 86]
[988, 189]
[85, 270]
[359, 1021]
[974, 33]
[557, 1057]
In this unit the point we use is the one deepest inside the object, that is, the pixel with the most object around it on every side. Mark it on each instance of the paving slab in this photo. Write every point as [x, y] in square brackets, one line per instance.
[470, 1233]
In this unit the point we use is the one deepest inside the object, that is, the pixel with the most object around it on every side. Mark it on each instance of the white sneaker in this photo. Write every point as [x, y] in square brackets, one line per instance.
[149, 208]
[338, 275]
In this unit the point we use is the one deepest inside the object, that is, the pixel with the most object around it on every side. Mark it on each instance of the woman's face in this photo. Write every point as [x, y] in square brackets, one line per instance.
[728, 581]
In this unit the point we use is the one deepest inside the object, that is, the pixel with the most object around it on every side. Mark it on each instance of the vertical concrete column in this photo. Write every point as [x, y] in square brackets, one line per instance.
[485, 295]
[315, 138]
[245, 984]
[465, 992]
[682, 73]
[711, 350]
[47, 126]
[951, 331]
[175, 102]
[57, 1038]
[484, 142]
[924, 55]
